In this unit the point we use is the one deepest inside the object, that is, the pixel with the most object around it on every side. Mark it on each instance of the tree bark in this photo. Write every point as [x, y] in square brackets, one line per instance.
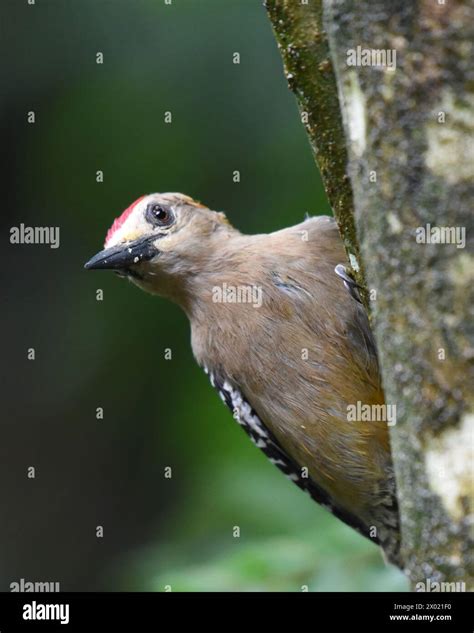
[409, 134]
[309, 71]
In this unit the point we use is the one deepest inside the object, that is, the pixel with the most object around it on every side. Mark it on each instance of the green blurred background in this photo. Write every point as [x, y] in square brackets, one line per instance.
[158, 413]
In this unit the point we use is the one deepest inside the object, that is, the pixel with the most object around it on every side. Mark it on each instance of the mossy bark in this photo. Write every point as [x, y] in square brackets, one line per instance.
[409, 134]
[309, 71]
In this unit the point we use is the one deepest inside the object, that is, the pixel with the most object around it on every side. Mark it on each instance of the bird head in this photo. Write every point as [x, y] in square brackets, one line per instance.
[160, 241]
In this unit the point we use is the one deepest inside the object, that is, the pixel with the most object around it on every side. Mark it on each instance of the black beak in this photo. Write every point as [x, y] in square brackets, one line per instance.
[122, 256]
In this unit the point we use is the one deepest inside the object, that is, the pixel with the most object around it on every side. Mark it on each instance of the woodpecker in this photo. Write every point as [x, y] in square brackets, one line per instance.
[278, 326]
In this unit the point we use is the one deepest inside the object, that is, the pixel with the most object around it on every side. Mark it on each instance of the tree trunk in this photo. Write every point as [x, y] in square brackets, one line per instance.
[409, 136]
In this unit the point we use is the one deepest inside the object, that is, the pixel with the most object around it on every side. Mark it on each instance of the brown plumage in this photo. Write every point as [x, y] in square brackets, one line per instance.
[284, 339]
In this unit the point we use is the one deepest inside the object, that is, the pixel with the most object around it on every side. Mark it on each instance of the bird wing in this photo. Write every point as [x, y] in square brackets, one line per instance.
[262, 437]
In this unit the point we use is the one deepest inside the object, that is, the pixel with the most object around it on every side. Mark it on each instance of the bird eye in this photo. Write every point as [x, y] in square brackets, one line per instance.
[159, 215]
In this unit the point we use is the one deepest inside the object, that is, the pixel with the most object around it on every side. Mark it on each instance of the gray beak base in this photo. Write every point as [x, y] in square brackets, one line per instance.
[122, 256]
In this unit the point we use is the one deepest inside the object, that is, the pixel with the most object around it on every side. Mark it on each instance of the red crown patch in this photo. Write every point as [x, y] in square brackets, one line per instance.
[118, 222]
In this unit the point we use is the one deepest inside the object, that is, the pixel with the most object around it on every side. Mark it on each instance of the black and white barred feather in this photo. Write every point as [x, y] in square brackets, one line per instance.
[260, 435]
